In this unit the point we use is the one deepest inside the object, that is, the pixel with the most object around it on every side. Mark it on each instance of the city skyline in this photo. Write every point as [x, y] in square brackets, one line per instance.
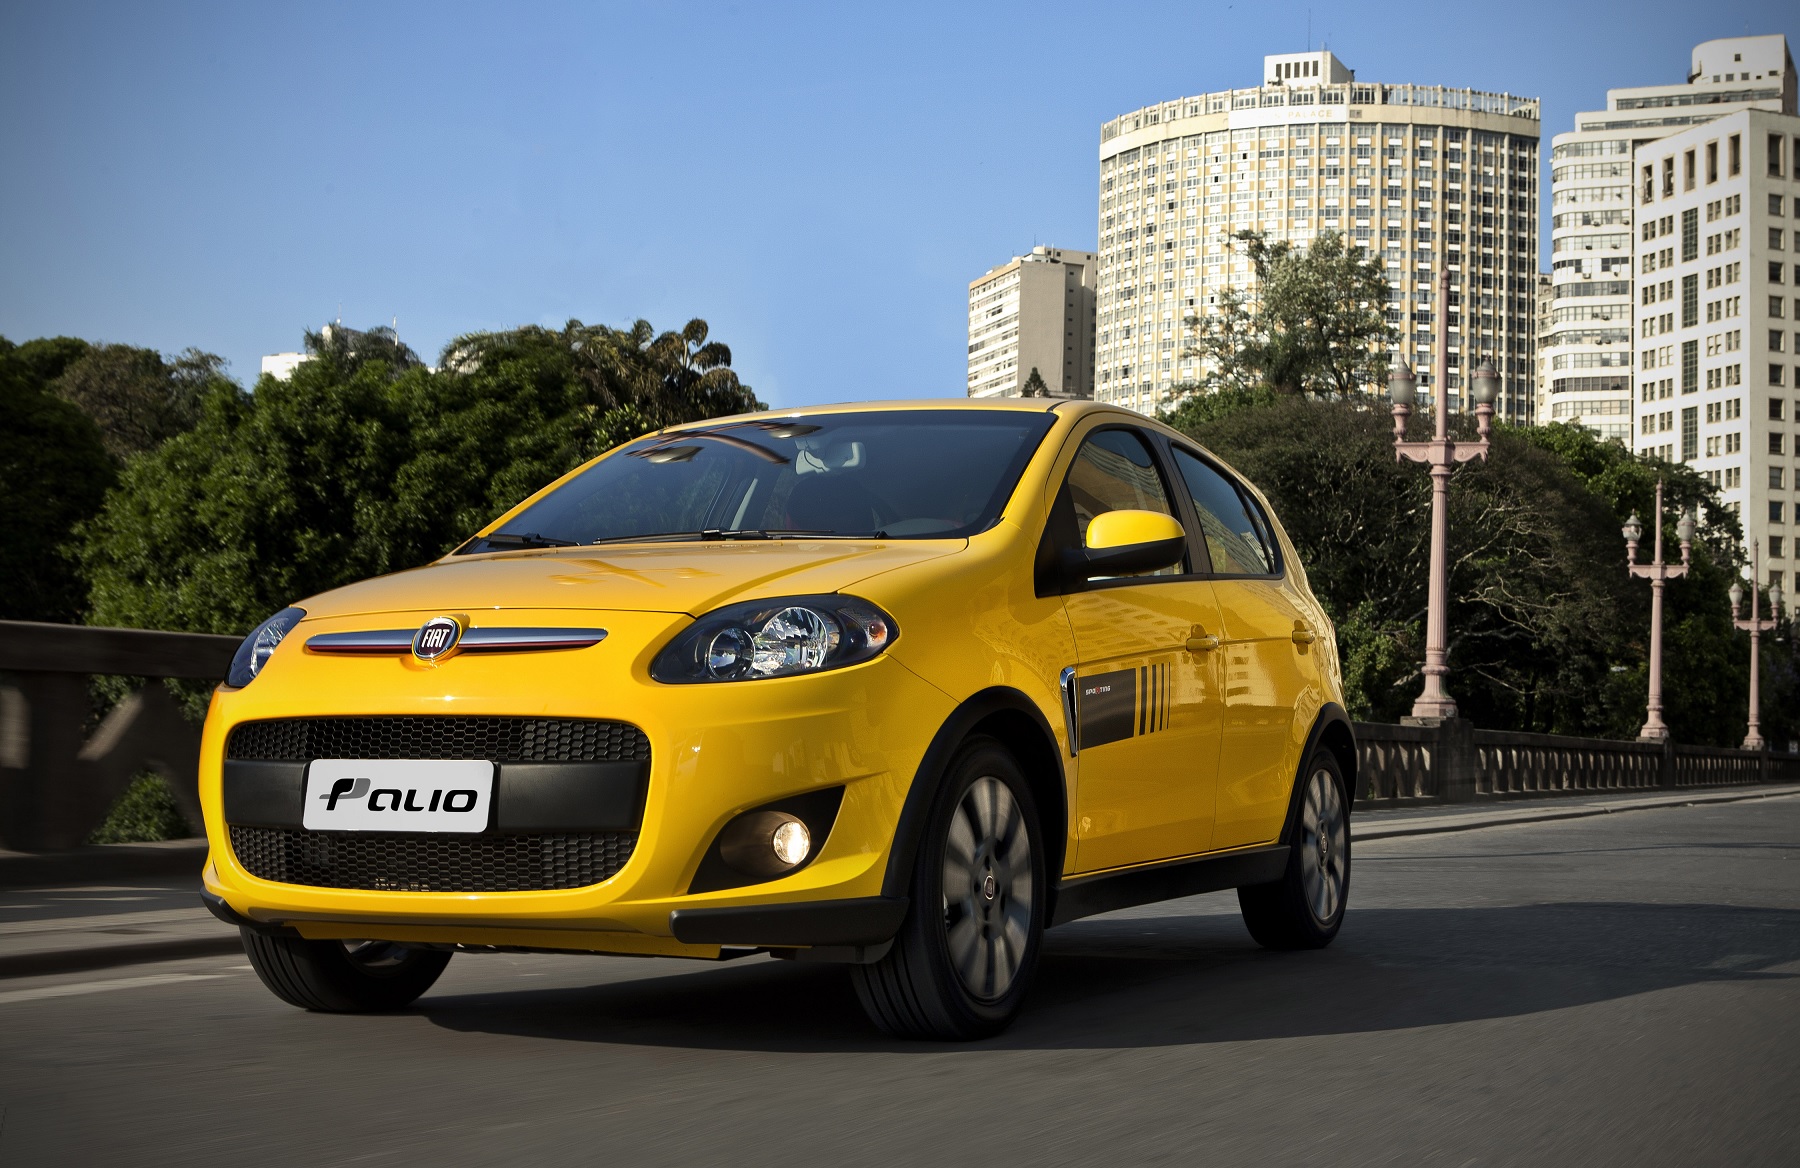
[282, 169]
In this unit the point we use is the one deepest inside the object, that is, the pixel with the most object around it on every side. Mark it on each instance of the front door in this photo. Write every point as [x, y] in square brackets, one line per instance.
[1147, 705]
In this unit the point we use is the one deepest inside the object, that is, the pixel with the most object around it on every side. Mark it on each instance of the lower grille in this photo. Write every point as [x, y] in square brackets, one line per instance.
[383, 861]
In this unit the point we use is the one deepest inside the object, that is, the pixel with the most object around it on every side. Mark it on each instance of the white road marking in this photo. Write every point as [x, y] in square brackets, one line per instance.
[96, 987]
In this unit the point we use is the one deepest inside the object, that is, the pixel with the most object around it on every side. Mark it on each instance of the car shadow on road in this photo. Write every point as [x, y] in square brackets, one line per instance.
[1138, 981]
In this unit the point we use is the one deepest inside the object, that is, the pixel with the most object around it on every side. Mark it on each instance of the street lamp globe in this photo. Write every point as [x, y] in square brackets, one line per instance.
[1775, 601]
[1402, 383]
[1633, 529]
[1487, 385]
[1684, 530]
[1737, 597]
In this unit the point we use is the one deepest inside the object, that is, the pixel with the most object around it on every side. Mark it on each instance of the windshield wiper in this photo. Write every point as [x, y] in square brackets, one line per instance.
[714, 533]
[530, 539]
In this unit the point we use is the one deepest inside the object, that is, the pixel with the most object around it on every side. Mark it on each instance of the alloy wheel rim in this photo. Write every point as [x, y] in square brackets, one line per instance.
[988, 892]
[1324, 847]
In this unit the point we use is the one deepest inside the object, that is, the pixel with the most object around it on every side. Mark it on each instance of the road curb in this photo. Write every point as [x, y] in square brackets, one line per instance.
[1474, 821]
[102, 862]
[105, 956]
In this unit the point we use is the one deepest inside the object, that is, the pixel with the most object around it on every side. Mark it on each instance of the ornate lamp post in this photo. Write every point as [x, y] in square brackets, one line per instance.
[1441, 455]
[1658, 573]
[1757, 627]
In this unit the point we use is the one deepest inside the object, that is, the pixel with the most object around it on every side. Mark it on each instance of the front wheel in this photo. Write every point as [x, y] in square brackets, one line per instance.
[343, 977]
[963, 959]
[1305, 908]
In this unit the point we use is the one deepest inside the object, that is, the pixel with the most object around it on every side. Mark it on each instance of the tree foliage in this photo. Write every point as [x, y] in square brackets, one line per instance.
[1547, 631]
[54, 472]
[1314, 321]
[364, 462]
[138, 399]
[1034, 385]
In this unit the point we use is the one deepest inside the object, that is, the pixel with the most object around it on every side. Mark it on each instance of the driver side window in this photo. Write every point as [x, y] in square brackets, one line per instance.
[1114, 471]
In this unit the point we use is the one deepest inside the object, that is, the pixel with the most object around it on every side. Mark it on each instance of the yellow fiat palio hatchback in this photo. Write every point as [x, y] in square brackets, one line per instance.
[896, 685]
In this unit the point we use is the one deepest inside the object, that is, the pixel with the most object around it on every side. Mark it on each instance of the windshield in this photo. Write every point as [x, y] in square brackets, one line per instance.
[901, 474]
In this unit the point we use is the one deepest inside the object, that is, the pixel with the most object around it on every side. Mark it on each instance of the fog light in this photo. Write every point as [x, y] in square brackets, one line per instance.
[791, 842]
[765, 843]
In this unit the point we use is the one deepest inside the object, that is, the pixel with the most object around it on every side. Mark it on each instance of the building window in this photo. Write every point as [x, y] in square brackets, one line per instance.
[1690, 366]
[1776, 509]
[1776, 550]
[1777, 478]
[1778, 409]
[1777, 374]
[1690, 433]
[1777, 146]
[1690, 300]
[1690, 231]
[1778, 443]
[1712, 166]
[1734, 156]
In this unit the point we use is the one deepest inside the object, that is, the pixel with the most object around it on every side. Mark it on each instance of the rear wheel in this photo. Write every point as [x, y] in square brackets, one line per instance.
[964, 957]
[343, 977]
[1305, 908]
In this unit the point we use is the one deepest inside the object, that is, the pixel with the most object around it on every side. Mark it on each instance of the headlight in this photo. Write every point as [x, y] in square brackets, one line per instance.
[776, 638]
[261, 642]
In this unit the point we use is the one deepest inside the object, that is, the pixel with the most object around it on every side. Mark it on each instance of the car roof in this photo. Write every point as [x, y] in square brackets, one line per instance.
[1068, 407]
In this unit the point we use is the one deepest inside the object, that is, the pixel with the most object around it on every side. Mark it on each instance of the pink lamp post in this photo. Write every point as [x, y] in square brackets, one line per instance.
[1441, 455]
[1756, 627]
[1658, 573]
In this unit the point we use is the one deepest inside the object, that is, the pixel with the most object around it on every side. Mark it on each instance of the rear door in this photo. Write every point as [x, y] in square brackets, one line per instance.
[1268, 666]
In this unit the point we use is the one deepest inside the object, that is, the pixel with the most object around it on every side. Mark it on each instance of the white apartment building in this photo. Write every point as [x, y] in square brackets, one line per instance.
[1035, 312]
[1441, 183]
[1717, 256]
[1587, 350]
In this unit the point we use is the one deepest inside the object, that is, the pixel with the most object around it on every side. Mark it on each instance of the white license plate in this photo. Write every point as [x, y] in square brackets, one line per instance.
[395, 794]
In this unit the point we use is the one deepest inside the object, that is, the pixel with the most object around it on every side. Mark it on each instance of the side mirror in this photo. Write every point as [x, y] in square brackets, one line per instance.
[1121, 543]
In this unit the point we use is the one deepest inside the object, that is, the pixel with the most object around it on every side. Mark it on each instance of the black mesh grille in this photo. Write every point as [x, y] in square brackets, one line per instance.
[431, 863]
[440, 736]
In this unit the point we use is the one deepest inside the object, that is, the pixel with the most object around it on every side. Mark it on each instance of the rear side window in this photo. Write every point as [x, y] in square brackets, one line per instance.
[1237, 535]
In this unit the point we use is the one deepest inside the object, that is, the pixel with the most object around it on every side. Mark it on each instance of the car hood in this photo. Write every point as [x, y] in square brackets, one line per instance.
[688, 578]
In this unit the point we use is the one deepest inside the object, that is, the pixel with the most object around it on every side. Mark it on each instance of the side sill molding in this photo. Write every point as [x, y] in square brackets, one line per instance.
[1085, 896]
[868, 920]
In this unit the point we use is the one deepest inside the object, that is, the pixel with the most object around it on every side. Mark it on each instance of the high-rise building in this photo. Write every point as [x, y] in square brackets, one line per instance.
[1717, 256]
[1543, 323]
[1588, 348]
[1035, 312]
[1440, 183]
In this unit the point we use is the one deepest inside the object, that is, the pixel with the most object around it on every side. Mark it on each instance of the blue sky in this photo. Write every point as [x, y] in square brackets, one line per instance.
[819, 182]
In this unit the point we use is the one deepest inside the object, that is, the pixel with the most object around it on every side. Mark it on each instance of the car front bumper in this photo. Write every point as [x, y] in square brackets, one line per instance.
[715, 751]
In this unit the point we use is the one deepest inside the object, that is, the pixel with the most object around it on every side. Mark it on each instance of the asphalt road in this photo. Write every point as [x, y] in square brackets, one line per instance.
[1616, 990]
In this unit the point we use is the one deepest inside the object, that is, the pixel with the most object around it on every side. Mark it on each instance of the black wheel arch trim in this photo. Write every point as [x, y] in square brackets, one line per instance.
[909, 828]
[1331, 719]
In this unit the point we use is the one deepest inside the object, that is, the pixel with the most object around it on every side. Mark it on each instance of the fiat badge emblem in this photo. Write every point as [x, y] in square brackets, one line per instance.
[436, 638]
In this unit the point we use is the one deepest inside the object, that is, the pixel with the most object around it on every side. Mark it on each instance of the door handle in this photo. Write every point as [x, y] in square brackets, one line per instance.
[1200, 641]
[1303, 635]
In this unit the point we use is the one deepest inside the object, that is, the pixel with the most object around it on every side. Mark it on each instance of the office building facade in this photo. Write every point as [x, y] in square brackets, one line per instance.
[1440, 183]
[1587, 346]
[1717, 316]
[1035, 312]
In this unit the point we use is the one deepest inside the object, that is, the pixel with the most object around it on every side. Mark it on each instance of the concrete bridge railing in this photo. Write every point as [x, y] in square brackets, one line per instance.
[1454, 762]
[57, 781]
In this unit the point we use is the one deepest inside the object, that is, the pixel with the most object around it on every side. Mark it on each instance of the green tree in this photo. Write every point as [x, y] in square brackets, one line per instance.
[364, 462]
[1314, 321]
[1034, 385]
[54, 473]
[138, 399]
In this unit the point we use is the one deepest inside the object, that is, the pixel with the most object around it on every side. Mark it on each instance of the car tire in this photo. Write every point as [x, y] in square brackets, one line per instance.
[1305, 908]
[343, 977]
[962, 962]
